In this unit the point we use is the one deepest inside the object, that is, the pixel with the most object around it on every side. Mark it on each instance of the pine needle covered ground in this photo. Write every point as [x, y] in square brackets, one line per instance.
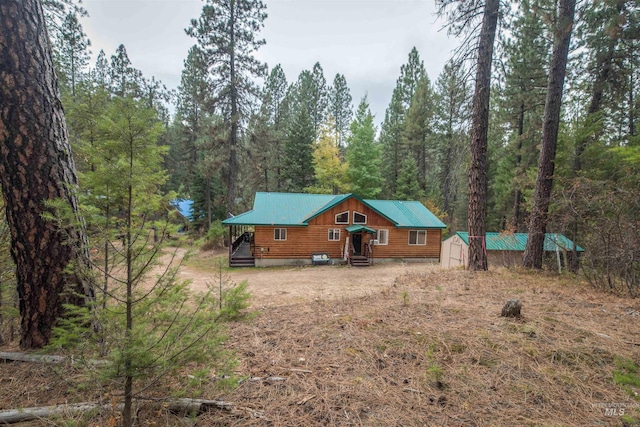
[429, 350]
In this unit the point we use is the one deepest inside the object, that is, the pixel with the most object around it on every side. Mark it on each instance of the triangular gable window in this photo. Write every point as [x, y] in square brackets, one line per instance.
[342, 218]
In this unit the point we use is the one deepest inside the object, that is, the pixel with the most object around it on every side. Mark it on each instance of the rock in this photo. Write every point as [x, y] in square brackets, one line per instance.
[512, 308]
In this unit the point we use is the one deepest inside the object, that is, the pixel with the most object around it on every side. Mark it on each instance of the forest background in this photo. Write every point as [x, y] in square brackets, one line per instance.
[234, 126]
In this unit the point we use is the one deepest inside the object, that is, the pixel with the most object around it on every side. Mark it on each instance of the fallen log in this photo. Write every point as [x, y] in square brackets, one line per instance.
[27, 357]
[15, 356]
[184, 406]
[12, 416]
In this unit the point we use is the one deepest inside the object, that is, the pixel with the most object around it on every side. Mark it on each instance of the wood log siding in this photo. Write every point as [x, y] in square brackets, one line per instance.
[303, 241]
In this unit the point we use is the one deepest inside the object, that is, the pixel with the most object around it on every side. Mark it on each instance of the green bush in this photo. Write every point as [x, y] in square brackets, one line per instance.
[214, 238]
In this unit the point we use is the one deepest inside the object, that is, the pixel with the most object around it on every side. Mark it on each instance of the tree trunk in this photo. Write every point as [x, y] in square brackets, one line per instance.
[35, 167]
[517, 194]
[540, 209]
[233, 135]
[479, 132]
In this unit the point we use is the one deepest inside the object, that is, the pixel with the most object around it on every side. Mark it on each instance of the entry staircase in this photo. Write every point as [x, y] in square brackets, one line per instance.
[241, 252]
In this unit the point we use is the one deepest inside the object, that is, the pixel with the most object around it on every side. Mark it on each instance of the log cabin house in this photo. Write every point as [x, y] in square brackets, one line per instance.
[299, 229]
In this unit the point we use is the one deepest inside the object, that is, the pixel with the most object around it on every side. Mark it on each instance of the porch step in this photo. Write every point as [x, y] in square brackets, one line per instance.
[242, 262]
[357, 261]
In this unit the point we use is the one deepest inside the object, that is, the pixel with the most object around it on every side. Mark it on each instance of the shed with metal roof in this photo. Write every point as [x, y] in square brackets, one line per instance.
[504, 249]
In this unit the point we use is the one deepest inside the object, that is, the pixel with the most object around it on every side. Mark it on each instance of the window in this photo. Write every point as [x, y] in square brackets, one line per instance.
[417, 237]
[383, 237]
[334, 234]
[342, 218]
[359, 218]
[279, 234]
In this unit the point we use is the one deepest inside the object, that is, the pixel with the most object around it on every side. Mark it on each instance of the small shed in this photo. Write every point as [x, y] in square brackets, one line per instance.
[503, 249]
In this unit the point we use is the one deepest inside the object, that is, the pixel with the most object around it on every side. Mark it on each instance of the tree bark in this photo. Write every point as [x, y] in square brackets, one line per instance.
[35, 167]
[539, 212]
[479, 135]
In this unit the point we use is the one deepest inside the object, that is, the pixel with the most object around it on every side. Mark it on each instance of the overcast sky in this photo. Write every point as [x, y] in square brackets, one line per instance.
[366, 40]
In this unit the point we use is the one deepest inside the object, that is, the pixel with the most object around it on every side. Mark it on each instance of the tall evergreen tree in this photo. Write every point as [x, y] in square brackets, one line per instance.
[461, 17]
[101, 71]
[522, 102]
[551, 124]
[35, 167]
[192, 109]
[125, 79]
[273, 117]
[298, 152]
[226, 32]
[418, 130]
[363, 155]
[410, 75]
[451, 123]
[73, 52]
[408, 187]
[311, 93]
[340, 107]
[392, 130]
[391, 143]
[319, 97]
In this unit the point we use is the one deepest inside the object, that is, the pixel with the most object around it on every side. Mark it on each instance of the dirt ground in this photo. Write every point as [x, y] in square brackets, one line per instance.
[392, 345]
[272, 287]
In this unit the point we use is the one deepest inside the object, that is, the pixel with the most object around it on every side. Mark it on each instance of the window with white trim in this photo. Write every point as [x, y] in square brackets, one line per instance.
[383, 237]
[342, 218]
[417, 237]
[359, 218]
[279, 234]
[334, 234]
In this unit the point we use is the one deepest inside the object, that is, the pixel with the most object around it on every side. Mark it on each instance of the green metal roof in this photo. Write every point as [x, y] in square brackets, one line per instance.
[296, 209]
[518, 241]
[357, 228]
[406, 214]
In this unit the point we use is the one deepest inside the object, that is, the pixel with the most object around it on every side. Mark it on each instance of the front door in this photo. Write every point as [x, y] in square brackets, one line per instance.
[357, 243]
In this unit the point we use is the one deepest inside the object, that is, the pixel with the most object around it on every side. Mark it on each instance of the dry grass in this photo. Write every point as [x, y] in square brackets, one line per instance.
[429, 350]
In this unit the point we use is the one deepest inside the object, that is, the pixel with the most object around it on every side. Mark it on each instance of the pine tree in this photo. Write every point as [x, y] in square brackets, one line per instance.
[227, 34]
[73, 52]
[319, 97]
[392, 129]
[410, 75]
[460, 20]
[125, 79]
[363, 155]
[391, 143]
[408, 187]
[417, 132]
[522, 102]
[101, 71]
[191, 126]
[298, 153]
[451, 124]
[273, 118]
[340, 108]
[551, 124]
[36, 166]
[311, 93]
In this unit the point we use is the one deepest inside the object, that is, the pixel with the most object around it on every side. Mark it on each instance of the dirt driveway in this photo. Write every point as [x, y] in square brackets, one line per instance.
[281, 286]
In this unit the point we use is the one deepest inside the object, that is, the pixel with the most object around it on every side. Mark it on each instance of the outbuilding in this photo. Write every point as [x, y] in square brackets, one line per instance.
[504, 249]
